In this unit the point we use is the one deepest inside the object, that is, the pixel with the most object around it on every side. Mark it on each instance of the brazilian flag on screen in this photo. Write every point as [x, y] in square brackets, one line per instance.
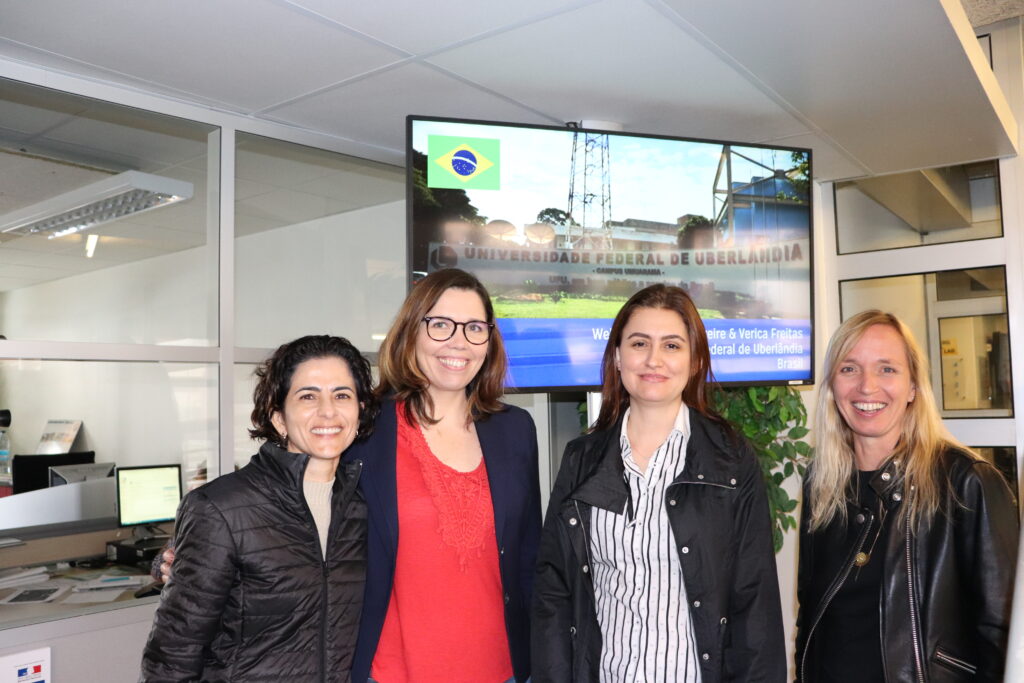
[463, 163]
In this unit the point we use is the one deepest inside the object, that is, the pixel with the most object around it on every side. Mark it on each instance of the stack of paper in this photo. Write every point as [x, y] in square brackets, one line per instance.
[19, 576]
[107, 581]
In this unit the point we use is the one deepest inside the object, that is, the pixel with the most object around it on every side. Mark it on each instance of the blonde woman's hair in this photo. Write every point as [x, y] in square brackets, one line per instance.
[923, 436]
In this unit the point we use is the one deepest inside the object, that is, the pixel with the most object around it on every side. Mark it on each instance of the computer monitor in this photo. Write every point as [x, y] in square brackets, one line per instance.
[70, 474]
[148, 495]
[32, 472]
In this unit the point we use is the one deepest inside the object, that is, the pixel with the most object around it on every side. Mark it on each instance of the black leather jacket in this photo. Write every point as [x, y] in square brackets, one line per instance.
[252, 598]
[945, 599]
[717, 509]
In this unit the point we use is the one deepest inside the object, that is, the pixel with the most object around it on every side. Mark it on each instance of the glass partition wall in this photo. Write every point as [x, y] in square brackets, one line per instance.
[115, 313]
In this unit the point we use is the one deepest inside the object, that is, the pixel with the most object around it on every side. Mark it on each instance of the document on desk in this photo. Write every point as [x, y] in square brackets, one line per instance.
[34, 595]
[109, 581]
[89, 597]
[19, 576]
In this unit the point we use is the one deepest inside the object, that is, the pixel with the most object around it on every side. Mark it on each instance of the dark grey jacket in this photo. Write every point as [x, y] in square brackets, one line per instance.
[717, 510]
[251, 597]
[945, 600]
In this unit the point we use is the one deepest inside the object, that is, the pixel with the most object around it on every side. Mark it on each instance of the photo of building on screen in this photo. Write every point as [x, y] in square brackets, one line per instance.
[567, 224]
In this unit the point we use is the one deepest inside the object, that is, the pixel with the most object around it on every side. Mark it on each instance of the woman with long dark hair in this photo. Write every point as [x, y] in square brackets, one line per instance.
[656, 559]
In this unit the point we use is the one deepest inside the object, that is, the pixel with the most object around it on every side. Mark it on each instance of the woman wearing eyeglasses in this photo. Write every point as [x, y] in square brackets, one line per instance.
[451, 482]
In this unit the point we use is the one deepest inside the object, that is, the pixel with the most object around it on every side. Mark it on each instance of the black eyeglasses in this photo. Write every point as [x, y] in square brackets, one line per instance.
[443, 329]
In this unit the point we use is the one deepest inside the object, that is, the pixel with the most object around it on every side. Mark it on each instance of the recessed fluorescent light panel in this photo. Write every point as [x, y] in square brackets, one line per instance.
[125, 194]
[90, 244]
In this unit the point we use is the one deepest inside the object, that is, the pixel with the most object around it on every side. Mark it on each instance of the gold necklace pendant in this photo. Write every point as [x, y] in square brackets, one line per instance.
[861, 559]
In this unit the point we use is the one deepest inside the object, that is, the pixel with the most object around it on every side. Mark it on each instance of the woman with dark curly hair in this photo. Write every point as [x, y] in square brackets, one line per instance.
[270, 561]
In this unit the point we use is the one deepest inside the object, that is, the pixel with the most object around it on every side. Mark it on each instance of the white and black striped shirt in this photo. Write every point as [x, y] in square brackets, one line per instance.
[647, 634]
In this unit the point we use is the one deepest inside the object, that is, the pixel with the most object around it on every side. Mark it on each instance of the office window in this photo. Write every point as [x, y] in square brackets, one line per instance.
[108, 222]
[975, 362]
[245, 384]
[959, 318]
[931, 206]
[320, 244]
[131, 414]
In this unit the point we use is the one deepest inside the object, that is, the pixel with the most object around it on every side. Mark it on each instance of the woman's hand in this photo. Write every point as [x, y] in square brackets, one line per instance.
[160, 570]
[165, 566]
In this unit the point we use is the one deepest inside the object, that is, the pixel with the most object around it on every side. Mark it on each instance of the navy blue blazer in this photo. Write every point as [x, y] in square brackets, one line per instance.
[509, 443]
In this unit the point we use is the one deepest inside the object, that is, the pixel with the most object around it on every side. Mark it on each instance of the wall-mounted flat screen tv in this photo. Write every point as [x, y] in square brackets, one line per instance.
[563, 224]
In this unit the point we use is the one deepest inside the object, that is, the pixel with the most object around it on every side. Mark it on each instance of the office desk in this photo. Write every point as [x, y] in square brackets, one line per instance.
[18, 615]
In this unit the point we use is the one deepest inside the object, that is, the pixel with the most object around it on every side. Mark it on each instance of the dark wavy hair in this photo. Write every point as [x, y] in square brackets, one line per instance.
[614, 398]
[400, 375]
[274, 377]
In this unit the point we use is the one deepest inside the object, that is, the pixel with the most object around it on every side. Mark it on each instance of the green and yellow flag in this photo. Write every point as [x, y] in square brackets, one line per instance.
[463, 163]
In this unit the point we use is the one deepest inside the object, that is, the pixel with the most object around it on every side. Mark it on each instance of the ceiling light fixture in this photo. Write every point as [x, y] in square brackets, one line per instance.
[124, 194]
[90, 244]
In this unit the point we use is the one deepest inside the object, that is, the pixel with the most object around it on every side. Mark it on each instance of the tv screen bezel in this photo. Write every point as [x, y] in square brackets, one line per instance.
[573, 127]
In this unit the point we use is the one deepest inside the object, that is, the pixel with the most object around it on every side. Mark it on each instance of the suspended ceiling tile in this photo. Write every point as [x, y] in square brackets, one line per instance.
[373, 110]
[651, 78]
[419, 27]
[247, 53]
[896, 85]
[358, 189]
[827, 162]
[280, 164]
[28, 180]
[288, 206]
[133, 147]
[162, 239]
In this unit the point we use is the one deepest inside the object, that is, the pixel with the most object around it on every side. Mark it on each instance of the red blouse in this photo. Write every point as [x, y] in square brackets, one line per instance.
[446, 619]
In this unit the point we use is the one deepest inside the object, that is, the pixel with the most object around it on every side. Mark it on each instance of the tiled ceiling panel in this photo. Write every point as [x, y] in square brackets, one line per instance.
[374, 109]
[419, 27]
[651, 78]
[247, 54]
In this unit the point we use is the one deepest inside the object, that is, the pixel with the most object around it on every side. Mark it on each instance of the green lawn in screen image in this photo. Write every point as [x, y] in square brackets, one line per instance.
[569, 307]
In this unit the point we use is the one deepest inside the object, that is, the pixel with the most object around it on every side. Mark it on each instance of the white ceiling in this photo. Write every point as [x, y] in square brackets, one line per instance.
[873, 86]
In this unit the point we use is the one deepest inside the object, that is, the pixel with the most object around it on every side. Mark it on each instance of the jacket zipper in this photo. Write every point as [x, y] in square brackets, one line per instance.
[914, 626]
[955, 662]
[830, 594]
[348, 486]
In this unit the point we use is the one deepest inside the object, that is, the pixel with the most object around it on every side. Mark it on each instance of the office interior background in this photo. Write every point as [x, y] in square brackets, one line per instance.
[286, 120]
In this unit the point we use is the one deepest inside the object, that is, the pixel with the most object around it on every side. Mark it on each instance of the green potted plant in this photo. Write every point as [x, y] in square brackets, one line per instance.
[774, 420]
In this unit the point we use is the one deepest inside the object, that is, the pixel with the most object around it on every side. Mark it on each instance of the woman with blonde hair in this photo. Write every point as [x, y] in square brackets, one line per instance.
[908, 539]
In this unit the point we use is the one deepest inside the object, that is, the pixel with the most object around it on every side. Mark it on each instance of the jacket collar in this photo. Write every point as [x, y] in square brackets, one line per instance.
[605, 486]
[887, 484]
[288, 468]
[707, 462]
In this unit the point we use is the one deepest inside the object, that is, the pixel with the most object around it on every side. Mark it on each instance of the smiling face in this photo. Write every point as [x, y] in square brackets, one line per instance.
[654, 357]
[872, 387]
[321, 410]
[452, 364]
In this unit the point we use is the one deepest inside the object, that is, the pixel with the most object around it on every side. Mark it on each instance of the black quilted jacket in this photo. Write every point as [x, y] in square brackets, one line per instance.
[251, 597]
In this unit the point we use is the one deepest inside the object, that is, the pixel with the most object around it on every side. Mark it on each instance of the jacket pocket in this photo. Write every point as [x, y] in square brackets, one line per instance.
[954, 663]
